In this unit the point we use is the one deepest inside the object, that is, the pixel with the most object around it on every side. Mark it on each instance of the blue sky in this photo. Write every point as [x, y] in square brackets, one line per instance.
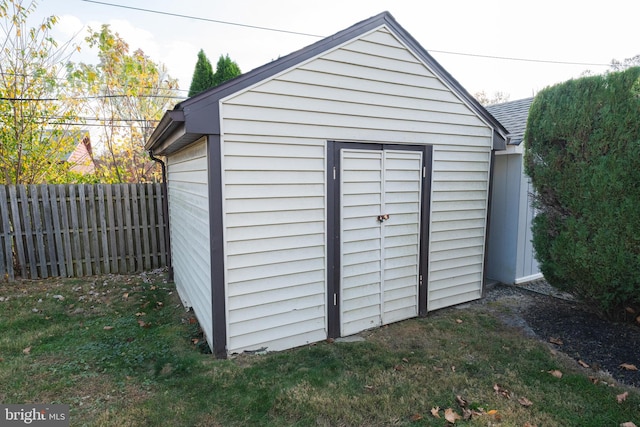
[561, 30]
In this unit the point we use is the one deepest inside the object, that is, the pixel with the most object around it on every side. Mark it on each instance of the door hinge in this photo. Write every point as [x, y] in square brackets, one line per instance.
[335, 299]
[424, 171]
[334, 172]
[420, 279]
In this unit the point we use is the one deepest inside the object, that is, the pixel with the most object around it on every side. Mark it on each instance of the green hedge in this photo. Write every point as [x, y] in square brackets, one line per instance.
[583, 156]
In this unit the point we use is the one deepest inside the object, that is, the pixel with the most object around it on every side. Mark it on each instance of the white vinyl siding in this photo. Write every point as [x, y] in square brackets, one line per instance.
[274, 173]
[189, 225]
[460, 183]
[275, 244]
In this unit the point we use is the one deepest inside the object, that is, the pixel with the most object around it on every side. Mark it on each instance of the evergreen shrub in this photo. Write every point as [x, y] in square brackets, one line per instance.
[583, 157]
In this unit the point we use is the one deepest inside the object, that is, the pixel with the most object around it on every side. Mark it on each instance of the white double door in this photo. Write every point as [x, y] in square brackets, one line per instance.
[380, 211]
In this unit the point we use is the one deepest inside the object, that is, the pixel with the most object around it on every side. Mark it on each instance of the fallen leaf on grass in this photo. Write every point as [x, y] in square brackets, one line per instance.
[195, 341]
[629, 366]
[434, 412]
[416, 417]
[108, 328]
[160, 304]
[405, 360]
[125, 295]
[458, 321]
[143, 324]
[628, 424]
[594, 380]
[462, 401]
[555, 373]
[453, 368]
[398, 368]
[583, 363]
[557, 341]
[502, 391]
[525, 402]
[495, 414]
[622, 397]
[451, 416]
[140, 313]
[630, 310]
[27, 350]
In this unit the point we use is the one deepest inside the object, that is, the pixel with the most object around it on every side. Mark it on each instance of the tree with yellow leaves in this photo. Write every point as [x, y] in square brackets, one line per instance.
[35, 111]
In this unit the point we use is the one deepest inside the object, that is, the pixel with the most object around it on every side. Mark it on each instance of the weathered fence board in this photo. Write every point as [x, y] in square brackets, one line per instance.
[75, 230]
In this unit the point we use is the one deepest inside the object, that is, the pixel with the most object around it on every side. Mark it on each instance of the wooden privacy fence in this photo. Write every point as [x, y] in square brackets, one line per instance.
[80, 230]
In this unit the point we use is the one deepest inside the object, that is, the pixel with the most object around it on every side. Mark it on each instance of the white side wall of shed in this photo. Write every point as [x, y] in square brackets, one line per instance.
[511, 256]
[274, 183]
[189, 225]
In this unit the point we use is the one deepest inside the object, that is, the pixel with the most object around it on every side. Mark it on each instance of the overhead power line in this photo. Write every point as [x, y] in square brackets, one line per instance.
[278, 30]
[199, 18]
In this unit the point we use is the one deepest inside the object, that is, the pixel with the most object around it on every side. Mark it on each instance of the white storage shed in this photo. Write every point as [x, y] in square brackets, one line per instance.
[339, 188]
[511, 258]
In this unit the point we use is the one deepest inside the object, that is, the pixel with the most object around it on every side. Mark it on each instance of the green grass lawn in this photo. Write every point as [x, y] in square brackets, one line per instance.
[122, 351]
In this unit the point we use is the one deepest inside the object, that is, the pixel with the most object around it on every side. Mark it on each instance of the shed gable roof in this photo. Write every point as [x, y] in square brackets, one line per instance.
[513, 116]
[192, 118]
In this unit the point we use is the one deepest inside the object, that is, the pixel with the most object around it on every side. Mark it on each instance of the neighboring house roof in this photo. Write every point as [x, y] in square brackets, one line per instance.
[174, 130]
[81, 158]
[513, 116]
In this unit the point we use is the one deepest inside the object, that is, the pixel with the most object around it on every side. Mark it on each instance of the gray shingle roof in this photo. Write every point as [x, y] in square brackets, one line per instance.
[513, 116]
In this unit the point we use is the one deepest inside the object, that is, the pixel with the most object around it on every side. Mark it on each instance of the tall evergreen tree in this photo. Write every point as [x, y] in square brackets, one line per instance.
[226, 69]
[203, 77]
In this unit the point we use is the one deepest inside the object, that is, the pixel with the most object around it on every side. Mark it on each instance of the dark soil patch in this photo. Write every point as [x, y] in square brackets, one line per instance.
[602, 344]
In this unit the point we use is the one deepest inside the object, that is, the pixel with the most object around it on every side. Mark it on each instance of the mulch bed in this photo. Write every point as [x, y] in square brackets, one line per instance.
[581, 334]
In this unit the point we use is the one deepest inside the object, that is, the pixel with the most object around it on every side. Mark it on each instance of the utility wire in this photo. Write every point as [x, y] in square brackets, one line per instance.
[198, 18]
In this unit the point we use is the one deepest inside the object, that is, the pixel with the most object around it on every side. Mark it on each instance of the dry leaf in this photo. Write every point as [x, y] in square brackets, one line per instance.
[628, 366]
[125, 295]
[622, 397]
[143, 324]
[492, 412]
[453, 368]
[467, 414]
[462, 402]
[398, 368]
[438, 369]
[451, 416]
[195, 341]
[594, 380]
[416, 417]
[458, 320]
[502, 391]
[108, 328]
[27, 350]
[405, 360]
[628, 424]
[555, 373]
[159, 303]
[556, 341]
[630, 310]
[434, 412]
[140, 313]
[583, 363]
[525, 402]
